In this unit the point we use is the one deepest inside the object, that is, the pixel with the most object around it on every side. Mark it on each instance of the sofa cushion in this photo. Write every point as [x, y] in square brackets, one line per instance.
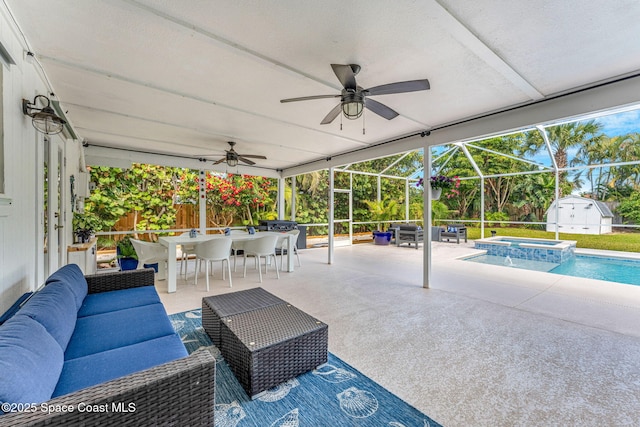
[111, 364]
[104, 302]
[30, 361]
[54, 307]
[73, 277]
[106, 331]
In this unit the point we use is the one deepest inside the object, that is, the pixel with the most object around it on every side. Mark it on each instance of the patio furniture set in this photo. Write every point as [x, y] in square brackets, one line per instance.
[101, 350]
[216, 247]
[413, 234]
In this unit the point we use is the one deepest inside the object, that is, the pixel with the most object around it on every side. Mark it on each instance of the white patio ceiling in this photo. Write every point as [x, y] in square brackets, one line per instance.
[181, 78]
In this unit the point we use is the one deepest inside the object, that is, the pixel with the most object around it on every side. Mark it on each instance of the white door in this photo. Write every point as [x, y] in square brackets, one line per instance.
[55, 251]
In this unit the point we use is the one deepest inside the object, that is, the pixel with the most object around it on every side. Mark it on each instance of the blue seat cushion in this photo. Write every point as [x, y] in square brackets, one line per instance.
[54, 307]
[73, 277]
[106, 331]
[111, 364]
[30, 361]
[104, 302]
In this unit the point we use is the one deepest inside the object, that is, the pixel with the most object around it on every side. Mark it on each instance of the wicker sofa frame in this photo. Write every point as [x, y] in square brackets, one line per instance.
[178, 393]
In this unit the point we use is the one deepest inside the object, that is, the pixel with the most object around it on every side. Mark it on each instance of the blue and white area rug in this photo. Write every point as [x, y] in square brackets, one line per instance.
[333, 395]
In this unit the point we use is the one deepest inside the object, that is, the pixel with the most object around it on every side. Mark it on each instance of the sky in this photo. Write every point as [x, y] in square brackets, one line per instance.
[621, 123]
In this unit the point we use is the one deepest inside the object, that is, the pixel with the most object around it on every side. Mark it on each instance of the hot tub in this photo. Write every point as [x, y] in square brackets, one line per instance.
[556, 251]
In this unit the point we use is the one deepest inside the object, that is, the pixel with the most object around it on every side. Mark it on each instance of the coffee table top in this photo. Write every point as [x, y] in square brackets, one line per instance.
[242, 301]
[272, 325]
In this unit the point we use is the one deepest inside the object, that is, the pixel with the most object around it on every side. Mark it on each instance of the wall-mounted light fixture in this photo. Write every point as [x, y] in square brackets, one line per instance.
[43, 119]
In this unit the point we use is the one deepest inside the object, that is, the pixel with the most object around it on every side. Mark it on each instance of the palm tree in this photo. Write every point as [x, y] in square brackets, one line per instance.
[563, 138]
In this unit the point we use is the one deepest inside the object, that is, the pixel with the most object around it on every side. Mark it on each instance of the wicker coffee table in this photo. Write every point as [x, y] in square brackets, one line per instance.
[267, 346]
[216, 307]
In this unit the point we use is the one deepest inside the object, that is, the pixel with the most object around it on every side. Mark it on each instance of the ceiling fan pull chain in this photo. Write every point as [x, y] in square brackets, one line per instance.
[363, 114]
[340, 121]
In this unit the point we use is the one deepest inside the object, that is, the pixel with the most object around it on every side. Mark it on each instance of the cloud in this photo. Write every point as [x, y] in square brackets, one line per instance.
[621, 123]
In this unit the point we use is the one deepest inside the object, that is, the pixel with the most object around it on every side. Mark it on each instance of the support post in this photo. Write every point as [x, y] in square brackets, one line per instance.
[293, 198]
[202, 201]
[281, 198]
[331, 215]
[426, 261]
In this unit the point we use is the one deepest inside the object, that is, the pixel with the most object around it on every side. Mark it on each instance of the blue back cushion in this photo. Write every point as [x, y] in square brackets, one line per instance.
[30, 361]
[54, 307]
[104, 302]
[72, 276]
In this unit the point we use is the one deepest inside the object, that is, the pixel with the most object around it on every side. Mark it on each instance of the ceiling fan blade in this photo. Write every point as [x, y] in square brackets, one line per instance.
[220, 161]
[332, 115]
[399, 87]
[380, 109]
[253, 156]
[308, 98]
[345, 74]
[245, 160]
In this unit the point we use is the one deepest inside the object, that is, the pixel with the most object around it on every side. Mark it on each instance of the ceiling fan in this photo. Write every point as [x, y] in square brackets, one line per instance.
[353, 98]
[232, 157]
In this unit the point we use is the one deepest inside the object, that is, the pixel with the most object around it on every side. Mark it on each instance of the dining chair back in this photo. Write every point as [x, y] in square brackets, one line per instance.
[186, 250]
[237, 246]
[151, 253]
[264, 246]
[218, 249]
[283, 245]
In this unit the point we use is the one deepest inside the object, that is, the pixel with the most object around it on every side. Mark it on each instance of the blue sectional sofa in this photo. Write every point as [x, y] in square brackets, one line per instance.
[84, 351]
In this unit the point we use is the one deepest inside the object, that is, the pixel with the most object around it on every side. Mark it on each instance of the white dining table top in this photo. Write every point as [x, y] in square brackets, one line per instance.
[183, 239]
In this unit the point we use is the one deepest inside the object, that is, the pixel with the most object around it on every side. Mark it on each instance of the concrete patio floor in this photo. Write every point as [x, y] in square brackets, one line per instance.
[484, 345]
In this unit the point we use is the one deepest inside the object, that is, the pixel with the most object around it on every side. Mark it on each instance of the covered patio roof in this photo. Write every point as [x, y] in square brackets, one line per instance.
[172, 82]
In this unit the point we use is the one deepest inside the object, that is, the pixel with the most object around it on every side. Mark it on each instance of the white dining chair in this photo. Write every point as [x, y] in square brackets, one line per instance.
[237, 246]
[151, 253]
[283, 245]
[186, 250]
[261, 247]
[213, 250]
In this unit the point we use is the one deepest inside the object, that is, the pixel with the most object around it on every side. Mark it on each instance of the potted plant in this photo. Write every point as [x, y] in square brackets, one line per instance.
[439, 184]
[126, 254]
[83, 229]
[383, 211]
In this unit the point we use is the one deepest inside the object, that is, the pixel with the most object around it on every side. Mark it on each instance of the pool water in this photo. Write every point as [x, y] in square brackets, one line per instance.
[592, 267]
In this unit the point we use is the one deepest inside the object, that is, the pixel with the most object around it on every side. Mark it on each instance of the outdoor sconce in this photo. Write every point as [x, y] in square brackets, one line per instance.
[43, 119]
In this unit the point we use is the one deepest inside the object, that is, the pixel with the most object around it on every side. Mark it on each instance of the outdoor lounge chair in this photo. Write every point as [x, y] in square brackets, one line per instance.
[411, 234]
[454, 231]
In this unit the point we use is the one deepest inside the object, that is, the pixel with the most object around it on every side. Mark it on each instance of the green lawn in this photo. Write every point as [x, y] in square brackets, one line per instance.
[627, 242]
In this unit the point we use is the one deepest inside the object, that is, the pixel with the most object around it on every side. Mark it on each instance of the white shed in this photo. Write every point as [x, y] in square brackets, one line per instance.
[580, 215]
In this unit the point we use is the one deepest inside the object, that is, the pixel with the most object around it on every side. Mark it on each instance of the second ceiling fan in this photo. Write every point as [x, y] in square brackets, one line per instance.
[232, 157]
[353, 98]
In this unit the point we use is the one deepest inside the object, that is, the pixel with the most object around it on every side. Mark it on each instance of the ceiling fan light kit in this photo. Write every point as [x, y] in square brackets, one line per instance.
[354, 99]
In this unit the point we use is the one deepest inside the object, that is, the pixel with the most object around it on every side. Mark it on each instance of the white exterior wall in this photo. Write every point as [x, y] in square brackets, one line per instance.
[21, 225]
[578, 215]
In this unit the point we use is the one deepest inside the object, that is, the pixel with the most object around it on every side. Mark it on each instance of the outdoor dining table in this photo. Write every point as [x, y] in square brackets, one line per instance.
[172, 242]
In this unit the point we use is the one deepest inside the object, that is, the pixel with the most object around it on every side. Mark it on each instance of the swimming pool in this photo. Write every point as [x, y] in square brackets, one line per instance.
[619, 270]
